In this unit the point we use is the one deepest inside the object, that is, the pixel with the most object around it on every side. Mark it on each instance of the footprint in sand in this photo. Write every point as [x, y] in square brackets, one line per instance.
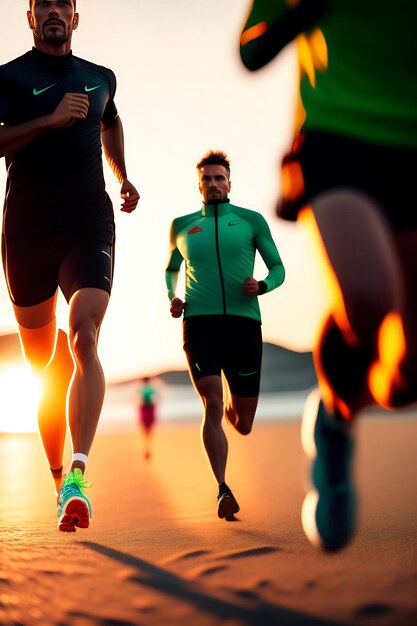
[193, 554]
[209, 571]
[243, 554]
[97, 621]
[374, 610]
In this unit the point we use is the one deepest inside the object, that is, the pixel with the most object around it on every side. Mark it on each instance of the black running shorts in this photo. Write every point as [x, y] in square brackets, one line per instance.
[228, 343]
[35, 267]
[320, 162]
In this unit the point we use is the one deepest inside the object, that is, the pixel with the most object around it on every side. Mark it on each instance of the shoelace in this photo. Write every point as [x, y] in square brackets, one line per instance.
[75, 479]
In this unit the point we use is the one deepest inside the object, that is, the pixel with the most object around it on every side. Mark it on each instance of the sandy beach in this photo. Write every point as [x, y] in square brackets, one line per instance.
[156, 553]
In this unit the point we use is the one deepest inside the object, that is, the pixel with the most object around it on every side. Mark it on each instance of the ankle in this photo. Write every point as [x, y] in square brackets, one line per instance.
[57, 473]
[78, 465]
[223, 488]
[58, 476]
[79, 460]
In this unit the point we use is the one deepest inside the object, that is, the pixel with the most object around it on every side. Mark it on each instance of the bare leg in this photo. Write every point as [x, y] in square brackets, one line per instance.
[240, 413]
[361, 254]
[362, 271]
[87, 309]
[147, 435]
[214, 440]
[51, 361]
[52, 408]
[37, 332]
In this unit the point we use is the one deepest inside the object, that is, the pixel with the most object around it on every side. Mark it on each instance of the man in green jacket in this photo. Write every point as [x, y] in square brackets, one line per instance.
[349, 178]
[222, 321]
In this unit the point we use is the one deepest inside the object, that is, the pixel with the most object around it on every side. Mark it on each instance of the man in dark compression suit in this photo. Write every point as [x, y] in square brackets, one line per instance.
[56, 113]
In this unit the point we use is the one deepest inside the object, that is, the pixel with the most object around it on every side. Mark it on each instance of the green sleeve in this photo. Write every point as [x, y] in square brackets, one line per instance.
[270, 26]
[174, 263]
[270, 255]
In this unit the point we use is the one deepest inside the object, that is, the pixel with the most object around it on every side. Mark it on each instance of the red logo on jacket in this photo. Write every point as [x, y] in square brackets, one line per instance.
[196, 229]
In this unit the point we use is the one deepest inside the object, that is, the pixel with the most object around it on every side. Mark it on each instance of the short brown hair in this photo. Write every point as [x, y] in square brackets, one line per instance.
[214, 157]
[74, 1]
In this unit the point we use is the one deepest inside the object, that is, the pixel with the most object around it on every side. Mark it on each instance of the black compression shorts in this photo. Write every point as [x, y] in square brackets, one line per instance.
[320, 162]
[228, 343]
[36, 267]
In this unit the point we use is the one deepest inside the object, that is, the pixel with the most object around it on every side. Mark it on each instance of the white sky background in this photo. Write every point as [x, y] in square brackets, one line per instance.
[181, 91]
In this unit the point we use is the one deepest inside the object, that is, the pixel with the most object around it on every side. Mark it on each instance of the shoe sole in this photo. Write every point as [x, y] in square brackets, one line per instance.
[308, 424]
[76, 515]
[227, 508]
[309, 507]
[314, 499]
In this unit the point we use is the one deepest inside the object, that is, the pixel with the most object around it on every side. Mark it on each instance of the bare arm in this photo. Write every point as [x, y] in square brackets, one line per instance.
[73, 107]
[113, 145]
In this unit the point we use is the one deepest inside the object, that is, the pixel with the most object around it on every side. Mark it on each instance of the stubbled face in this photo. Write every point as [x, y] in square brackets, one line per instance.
[52, 22]
[214, 183]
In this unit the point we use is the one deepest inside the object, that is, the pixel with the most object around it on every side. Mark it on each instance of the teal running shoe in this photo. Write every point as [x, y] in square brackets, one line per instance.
[329, 509]
[74, 508]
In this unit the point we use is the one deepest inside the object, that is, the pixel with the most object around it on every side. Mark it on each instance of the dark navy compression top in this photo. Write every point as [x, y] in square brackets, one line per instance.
[56, 181]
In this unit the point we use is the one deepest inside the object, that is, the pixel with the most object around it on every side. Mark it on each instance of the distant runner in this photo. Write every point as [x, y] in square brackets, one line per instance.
[147, 411]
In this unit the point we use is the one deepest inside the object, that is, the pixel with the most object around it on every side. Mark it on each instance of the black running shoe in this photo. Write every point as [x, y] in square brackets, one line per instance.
[227, 504]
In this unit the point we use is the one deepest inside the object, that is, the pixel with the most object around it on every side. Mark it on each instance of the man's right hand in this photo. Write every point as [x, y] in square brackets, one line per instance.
[72, 108]
[177, 307]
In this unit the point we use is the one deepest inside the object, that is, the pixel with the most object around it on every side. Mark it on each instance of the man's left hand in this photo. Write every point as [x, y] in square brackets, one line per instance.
[250, 287]
[130, 196]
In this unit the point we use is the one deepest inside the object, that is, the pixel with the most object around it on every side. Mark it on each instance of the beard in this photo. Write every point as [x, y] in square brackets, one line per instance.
[53, 34]
[220, 196]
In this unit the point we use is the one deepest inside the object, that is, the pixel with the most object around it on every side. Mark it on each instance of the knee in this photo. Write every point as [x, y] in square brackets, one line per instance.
[213, 404]
[37, 357]
[83, 341]
[37, 348]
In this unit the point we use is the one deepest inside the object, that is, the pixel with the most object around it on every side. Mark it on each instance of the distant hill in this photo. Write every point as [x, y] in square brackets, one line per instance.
[286, 370]
[282, 369]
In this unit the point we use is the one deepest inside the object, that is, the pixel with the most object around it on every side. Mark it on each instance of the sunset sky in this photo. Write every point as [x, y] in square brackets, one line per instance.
[181, 91]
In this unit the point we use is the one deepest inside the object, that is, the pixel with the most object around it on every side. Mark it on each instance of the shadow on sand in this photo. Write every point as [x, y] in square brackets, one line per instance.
[160, 580]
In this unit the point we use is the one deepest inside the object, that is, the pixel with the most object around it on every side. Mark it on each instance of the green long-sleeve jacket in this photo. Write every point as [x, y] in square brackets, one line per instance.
[357, 62]
[218, 245]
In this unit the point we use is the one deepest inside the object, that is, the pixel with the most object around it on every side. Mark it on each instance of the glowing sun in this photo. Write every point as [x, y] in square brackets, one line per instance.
[19, 398]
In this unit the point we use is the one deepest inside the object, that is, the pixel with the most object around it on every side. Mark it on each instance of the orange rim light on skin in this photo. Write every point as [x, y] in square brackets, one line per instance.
[391, 350]
[337, 308]
[253, 33]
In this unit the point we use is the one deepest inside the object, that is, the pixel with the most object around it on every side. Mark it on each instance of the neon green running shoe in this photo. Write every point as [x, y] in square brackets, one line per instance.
[74, 508]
